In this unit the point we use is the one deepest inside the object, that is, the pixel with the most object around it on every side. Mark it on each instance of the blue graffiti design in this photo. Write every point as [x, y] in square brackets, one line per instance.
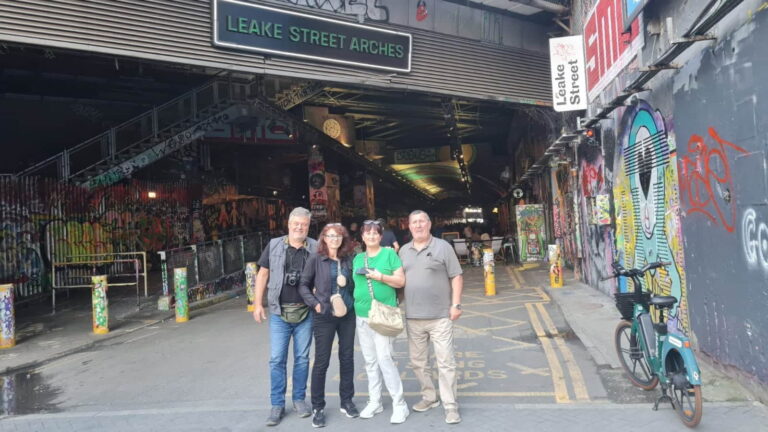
[646, 156]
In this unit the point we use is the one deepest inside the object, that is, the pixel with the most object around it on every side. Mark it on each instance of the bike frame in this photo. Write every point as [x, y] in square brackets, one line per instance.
[666, 345]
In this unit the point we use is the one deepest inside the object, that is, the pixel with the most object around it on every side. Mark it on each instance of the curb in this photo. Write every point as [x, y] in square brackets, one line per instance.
[201, 304]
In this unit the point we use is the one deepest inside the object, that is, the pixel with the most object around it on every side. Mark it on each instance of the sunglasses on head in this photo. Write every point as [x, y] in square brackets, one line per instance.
[333, 224]
[371, 222]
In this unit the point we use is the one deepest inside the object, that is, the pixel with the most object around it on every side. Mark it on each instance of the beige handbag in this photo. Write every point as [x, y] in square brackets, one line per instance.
[384, 319]
[338, 307]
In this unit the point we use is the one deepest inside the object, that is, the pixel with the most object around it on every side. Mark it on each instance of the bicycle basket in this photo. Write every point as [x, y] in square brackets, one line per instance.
[625, 302]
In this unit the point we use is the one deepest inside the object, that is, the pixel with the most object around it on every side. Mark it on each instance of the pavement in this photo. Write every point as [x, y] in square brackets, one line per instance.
[43, 336]
[150, 373]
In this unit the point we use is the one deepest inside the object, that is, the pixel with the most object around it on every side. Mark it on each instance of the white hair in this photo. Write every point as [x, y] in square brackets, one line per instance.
[300, 212]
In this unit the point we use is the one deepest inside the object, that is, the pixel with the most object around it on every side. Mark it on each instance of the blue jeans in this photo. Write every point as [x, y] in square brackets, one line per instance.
[280, 333]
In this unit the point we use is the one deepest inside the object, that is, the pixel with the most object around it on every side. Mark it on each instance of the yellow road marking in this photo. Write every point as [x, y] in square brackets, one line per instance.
[528, 370]
[469, 330]
[544, 295]
[508, 309]
[521, 343]
[558, 377]
[466, 385]
[577, 380]
[519, 275]
[515, 281]
[471, 394]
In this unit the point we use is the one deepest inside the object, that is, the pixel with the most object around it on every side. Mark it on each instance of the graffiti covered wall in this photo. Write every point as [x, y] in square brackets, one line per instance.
[647, 203]
[530, 232]
[43, 221]
[721, 120]
[597, 240]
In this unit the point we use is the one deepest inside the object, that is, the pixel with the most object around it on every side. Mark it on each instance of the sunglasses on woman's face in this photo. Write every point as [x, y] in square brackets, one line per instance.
[371, 222]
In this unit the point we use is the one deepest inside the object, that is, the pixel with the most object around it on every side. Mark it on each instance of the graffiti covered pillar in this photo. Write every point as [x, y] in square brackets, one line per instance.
[318, 192]
[250, 283]
[333, 194]
[364, 197]
[182, 299]
[7, 317]
[100, 305]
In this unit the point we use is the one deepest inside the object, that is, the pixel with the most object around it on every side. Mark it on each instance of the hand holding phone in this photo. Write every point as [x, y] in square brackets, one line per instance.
[362, 271]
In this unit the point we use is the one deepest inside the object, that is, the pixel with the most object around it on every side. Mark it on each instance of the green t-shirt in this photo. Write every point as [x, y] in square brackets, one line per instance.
[386, 261]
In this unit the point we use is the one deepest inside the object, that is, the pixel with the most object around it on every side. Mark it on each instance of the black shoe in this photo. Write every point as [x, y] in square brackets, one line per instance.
[275, 415]
[318, 418]
[349, 409]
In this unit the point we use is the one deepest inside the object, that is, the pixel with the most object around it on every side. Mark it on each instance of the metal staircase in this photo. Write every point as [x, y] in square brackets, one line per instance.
[120, 151]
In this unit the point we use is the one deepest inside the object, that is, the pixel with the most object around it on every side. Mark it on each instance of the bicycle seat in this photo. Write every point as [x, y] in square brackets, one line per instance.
[663, 301]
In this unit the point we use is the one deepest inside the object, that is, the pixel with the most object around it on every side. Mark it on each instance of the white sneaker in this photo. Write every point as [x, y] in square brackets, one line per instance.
[399, 414]
[371, 410]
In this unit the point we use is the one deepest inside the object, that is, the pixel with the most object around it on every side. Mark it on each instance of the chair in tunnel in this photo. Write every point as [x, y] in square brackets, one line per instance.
[462, 251]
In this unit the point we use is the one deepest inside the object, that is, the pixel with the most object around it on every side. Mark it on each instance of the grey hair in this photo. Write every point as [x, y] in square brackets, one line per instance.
[418, 212]
[300, 212]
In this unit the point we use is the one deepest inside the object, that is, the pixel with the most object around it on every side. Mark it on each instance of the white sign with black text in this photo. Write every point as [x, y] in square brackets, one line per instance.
[569, 79]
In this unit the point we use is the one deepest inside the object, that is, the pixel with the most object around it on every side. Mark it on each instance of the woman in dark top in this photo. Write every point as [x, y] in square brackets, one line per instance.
[330, 271]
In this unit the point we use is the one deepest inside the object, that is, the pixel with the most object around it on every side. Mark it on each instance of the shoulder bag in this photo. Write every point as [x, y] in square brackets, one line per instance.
[338, 307]
[384, 319]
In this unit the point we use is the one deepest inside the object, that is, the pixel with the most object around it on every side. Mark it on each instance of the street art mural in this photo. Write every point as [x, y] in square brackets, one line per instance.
[563, 217]
[597, 240]
[646, 197]
[706, 182]
[43, 221]
[530, 232]
[367, 9]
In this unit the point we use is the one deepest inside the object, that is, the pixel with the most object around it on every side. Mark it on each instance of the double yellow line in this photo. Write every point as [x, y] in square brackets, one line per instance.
[536, 310]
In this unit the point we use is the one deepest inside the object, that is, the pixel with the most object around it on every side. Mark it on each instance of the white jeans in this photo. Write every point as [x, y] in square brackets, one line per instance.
[377, 352]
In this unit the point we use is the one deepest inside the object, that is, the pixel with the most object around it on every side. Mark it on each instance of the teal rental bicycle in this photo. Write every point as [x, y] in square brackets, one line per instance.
[652, 353]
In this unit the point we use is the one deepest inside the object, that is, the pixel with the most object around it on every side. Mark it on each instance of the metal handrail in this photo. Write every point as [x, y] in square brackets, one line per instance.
[111, 132]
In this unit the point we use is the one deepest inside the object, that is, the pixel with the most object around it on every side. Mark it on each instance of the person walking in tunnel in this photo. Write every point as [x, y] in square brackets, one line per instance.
[329, 272]
[433, 286]
[378, 270]
[280, 268]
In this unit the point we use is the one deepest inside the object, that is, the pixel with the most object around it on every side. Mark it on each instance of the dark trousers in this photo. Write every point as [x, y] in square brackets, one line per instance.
[325, 328]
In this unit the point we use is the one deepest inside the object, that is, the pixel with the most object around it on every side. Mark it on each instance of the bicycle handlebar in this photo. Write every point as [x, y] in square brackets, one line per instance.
[621, 271]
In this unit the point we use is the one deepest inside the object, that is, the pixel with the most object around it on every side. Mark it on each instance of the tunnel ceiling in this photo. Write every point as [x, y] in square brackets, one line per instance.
[393, 120]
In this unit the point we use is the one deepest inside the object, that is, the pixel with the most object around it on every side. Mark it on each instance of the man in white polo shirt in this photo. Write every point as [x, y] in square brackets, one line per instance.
[433, 285]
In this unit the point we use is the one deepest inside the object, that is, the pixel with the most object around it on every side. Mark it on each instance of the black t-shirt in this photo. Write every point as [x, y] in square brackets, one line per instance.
[294, 262]
[388, 239]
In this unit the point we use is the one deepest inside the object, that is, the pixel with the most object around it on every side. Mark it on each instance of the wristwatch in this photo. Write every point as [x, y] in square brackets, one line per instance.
[457, 306]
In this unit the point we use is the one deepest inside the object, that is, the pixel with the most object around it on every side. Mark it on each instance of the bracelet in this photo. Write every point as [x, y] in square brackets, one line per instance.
[381, 279]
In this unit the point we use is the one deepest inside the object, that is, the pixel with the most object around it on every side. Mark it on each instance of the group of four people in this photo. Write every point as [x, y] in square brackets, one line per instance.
[300, 275]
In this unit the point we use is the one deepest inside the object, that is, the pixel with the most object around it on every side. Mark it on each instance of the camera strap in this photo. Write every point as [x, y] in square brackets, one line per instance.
[290, 263]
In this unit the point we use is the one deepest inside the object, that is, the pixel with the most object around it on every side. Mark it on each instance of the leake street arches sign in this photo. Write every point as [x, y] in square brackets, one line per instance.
[247, 26]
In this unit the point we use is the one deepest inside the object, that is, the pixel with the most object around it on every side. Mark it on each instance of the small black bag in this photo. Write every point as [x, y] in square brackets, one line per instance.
[294, 313]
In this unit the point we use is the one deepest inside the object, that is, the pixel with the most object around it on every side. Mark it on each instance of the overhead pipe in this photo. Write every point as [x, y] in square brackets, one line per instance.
[544, 5]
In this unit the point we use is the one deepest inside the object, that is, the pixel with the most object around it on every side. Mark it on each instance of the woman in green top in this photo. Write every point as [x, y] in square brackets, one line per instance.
[379, 268]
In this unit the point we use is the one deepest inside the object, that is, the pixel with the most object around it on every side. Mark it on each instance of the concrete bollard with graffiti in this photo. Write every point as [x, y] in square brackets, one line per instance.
[250, 283]
[489, 272]
[7, 317]
[556, 267]
[100, 305]
[182, 299]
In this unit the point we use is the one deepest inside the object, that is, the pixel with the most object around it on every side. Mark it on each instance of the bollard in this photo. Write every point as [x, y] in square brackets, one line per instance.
[7, 317]
[556, 267]
[100, 304]
[182, 301]
[164, 301]
[488, 271]
[250, 283]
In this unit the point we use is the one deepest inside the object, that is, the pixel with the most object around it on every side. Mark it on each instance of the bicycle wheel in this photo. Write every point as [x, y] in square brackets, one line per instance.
[632, 357]
[686, 398]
